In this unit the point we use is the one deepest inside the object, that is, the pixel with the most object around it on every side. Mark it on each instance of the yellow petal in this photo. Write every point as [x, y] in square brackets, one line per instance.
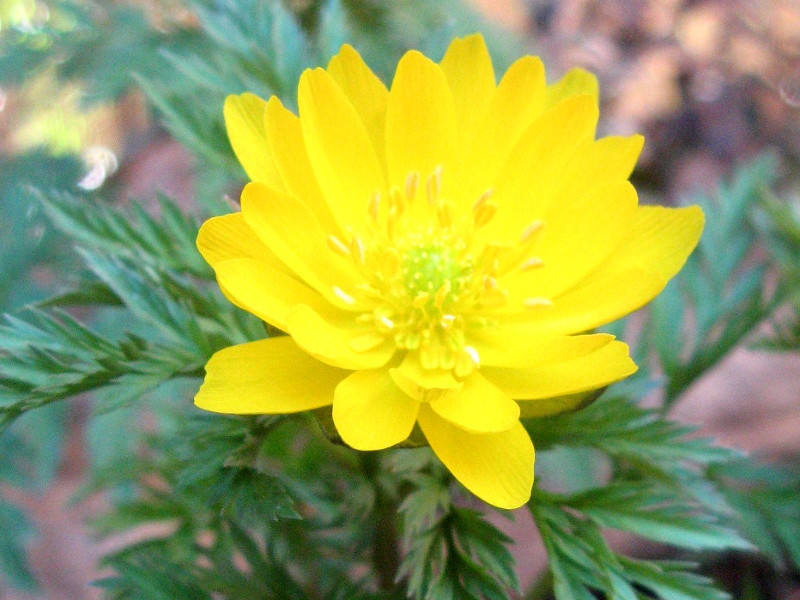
[228, 236]
[270, 376]
[421, 383]
[288, 151]
[545, 407]
[528, 182]
[289, 229]
[578, 235]
[496, 467]
[660, 241]
[577, 82]
[371, 413]
[518, 100]
[265, 291]
[479, 407]
[334, 343]
[339, 148]
[607, 364]
[606, 160]
[468, 69]
[420, 120]
[597, 300]
[522, 344]
[244, 120]
[366, 93]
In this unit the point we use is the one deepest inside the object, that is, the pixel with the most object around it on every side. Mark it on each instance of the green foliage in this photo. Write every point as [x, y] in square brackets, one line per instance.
[173, 326]
[451, 552]
[767, 511]
[132, 232]
[582, 563]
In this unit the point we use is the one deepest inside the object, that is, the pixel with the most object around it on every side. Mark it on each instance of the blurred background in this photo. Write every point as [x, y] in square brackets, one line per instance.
[88, 97]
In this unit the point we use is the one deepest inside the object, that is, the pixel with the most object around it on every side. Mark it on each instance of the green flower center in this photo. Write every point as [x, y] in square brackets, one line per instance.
[433, 266]
[427, 278]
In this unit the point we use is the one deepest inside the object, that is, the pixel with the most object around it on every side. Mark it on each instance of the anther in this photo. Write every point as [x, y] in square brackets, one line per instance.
[412, 182]
[343, 296]
[338, 246]
[397, 202]
[530, 231]
[374, 205]
[489, 283]
[447, 321]
[532, 263]
[421, 300]
[357, 250]
[483, 211]
[434, 186]
[442, 293]
[473, 354]
[537, 302]
[386, 322]
[445, 214]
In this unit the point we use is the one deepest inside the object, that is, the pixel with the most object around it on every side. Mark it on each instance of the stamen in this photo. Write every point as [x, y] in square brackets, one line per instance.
[442, 293]
[473, 354]
[421, 299]
[357, 250]
[397, 202]
[338, 246]
[484, 210]
[537, 302]
[532, 263]
[530, 231]
[391, 261]
[434, 186]
[447, 321]
[445, 214]
[412, 182]
[343, 296]
[386, 322]
[489, 283]
[374, 205]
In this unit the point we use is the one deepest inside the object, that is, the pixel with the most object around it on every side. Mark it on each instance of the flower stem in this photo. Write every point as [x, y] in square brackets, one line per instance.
[385, 540]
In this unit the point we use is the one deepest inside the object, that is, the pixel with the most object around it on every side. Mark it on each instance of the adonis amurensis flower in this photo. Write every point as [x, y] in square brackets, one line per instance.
[436, 253]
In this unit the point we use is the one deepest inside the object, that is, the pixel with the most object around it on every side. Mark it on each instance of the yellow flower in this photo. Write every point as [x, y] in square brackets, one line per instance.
[433, 252]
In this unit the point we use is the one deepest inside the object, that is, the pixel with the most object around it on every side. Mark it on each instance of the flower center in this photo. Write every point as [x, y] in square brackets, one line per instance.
[428, 282]
[431, 266]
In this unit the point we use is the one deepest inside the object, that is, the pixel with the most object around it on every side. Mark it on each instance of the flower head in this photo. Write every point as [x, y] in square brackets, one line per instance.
[436, 253]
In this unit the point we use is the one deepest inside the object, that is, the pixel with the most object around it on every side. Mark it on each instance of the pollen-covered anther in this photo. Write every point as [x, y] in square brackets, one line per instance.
[357, 250]
[532, 263]
[445, 213]
[420, 300]
[412, 182]
[397, 202]
[386, 322]
[338, 246]
[531, 231]
[343, 296]
[484, 210]
[374, 206]
[434, 186]
[537, 302]
[442, 293]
